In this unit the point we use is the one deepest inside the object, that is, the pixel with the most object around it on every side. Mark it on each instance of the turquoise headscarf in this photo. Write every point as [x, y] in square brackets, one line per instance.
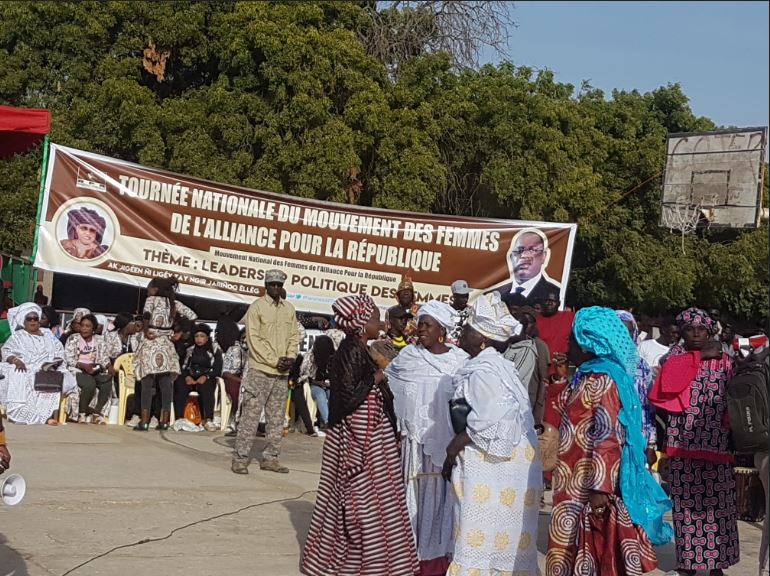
[599, 331]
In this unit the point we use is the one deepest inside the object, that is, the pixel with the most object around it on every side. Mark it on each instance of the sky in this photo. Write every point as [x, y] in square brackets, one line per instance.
[717, 51]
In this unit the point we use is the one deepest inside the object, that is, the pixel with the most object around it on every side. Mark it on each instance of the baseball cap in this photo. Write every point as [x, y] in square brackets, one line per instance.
[272, 276]
[460, 287]
[399, 312]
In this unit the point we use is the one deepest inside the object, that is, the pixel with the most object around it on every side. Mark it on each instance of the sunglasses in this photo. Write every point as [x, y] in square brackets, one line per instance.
[31, 319]
[274, 284]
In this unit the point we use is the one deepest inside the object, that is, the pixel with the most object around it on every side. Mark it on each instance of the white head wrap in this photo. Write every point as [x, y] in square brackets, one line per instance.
[79, 313]
[102, 320]
[441, 312]
[490, 317]
[337, 336]
[16, 315]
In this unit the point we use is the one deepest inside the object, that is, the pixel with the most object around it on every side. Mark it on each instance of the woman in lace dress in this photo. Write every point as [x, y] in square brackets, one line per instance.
[421, 380]
[25, 352]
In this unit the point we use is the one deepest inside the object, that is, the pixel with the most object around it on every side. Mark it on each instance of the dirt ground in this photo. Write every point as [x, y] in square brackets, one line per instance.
[107, 500]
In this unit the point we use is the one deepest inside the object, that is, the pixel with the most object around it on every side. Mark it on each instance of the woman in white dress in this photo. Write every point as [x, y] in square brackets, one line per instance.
[420, 378]
[494, 464]
[25, 352]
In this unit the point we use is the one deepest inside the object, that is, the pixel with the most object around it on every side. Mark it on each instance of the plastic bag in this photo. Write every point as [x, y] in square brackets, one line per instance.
[192, 411]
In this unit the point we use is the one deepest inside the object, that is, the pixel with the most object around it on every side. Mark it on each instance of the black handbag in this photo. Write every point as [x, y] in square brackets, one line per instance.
[196, 371]
[458, 412]
[49, 382]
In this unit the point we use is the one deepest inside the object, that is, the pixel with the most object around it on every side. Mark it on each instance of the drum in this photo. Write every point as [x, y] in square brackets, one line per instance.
[750, 495]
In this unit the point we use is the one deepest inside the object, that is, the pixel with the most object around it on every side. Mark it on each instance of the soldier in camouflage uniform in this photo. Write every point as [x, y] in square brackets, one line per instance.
[273, 340]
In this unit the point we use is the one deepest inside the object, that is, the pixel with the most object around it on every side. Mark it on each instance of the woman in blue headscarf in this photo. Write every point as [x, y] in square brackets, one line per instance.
[643, 381]
[608, 509]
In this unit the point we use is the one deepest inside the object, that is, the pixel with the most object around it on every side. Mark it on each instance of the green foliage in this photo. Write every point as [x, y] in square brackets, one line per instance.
[285, 97]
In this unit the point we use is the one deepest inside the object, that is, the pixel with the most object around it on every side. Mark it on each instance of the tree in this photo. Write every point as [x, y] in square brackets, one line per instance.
[400, 30]
[293, 98]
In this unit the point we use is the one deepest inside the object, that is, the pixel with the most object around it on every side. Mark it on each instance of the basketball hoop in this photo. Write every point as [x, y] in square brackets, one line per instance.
[718, 174]
[682, 217]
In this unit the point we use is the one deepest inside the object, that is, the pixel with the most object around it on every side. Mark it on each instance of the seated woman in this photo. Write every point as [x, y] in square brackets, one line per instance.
[315, 371]
[231, 339]
[87, 357]
[74, 325]
[118, 340]
[200, 370]
[24, 354]
[50, 319]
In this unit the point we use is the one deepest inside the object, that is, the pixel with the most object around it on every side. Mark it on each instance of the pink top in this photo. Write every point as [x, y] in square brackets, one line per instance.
[86, 351]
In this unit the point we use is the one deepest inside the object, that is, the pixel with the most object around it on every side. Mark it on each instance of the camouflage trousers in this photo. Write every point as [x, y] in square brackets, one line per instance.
[266, 392]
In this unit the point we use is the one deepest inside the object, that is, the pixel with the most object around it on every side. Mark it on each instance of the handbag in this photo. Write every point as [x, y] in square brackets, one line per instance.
[549, 447]
[196, 371]
[458, 412]
[49, 382]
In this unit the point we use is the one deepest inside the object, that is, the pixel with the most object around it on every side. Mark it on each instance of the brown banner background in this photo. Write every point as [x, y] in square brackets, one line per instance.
[219, 239]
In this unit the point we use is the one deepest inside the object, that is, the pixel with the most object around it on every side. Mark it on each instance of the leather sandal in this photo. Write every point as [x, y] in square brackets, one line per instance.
[165, 416]
[144, 424]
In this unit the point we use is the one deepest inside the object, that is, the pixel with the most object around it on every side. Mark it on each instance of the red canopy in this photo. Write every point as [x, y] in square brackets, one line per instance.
[22, 129]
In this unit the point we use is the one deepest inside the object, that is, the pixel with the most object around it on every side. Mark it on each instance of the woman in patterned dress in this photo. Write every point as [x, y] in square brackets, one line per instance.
[156, 359]
[495, 466]
[702, 484]
[360, 524]
[602, 488]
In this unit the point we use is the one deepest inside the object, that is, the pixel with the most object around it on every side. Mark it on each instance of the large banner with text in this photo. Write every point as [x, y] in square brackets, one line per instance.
[124, 222]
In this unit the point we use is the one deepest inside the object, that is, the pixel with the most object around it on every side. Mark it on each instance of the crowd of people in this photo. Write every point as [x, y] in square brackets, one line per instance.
[435, 421]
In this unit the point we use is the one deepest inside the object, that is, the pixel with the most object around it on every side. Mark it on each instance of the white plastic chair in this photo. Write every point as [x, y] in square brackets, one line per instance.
[124, 366]
[222, 402]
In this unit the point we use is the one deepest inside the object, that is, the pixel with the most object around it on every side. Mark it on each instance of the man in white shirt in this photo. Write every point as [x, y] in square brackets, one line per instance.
[653, 350]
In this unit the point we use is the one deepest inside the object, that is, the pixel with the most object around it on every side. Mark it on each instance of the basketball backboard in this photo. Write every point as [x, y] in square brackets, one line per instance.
[714, 179]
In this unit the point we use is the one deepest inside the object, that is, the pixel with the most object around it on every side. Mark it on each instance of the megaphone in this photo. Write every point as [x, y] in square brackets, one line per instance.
[12, 489]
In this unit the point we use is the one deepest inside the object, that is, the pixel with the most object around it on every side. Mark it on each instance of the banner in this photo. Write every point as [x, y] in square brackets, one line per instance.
[119, 221]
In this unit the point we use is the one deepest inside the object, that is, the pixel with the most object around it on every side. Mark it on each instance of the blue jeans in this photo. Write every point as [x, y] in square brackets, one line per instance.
[321, 399]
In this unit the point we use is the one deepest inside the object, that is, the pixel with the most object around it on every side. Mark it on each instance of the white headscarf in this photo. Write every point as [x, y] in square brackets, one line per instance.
[490, 317]
[102, 320]
[16, 315]
[79, 313]
[337, 336]
[441, 312]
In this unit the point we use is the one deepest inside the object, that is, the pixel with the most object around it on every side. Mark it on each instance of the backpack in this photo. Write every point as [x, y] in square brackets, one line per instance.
[747, 406]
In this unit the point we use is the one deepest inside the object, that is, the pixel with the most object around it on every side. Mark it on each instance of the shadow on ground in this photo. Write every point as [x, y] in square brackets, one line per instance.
[11, 562]
[300, 512]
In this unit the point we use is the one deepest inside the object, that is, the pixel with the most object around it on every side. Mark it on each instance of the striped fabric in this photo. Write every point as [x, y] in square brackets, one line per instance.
[360, 524]
[351, 313]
